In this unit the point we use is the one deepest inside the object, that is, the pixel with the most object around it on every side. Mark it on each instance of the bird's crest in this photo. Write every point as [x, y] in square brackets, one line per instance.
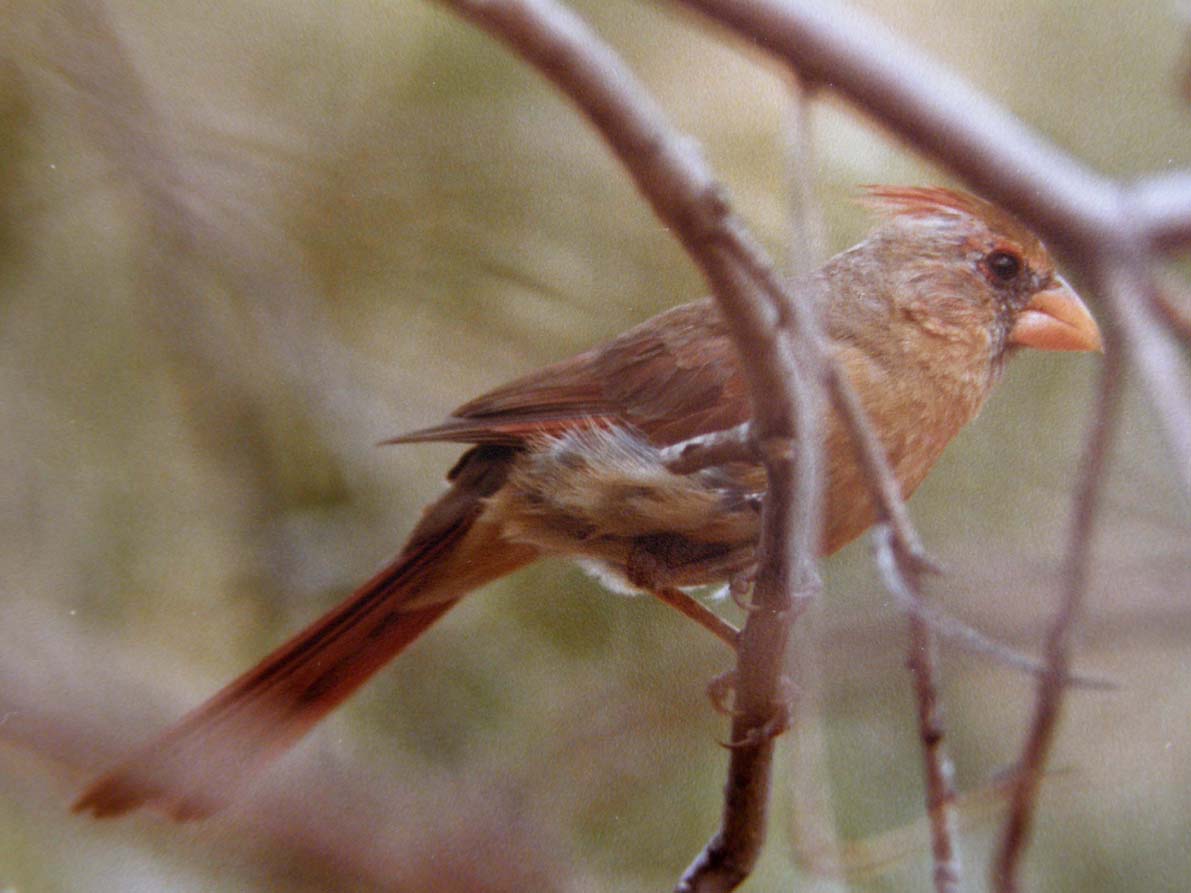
[929, 201]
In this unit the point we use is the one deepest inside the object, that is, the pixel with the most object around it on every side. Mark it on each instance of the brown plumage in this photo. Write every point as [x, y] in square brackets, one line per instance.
[565, 461]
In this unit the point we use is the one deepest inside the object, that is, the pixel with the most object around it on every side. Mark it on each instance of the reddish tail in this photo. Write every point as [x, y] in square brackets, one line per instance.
[197, 765]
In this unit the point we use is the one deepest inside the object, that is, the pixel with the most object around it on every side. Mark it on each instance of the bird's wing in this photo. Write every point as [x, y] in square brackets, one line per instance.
[671, 378]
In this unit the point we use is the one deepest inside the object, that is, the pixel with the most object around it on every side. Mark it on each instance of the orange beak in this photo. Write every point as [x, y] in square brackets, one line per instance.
[1056, 319]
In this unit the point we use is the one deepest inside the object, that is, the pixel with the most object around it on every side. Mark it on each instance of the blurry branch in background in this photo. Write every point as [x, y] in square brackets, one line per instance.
[1172, 299]
[213, 216]
[812, 815]
[222, 285]
[900, 555]
[113, 104]
[808, 231]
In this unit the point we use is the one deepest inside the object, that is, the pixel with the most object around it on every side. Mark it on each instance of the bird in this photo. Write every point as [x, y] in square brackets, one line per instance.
[573, 460]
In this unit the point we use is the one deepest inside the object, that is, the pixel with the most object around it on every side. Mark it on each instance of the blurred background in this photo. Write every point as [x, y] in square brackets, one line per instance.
[241, 243]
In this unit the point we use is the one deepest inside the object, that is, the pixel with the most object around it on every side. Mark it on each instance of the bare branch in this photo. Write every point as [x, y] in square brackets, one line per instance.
[1129, 293]
[955, 631]
[901, 575]
[856, 57]
[1076, 570]
[939, 771]
[808, 232]
[1173, 303]
[1162, 206]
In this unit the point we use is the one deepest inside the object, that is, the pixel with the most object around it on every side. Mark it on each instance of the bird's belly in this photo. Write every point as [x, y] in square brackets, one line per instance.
[605, 496]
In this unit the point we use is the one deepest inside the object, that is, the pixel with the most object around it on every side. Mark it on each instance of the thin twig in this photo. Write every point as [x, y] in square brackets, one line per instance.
[901, 576]
[808, 233]
[939, 771]
[891, 508]
[1077, 564]
[812, 817]
[1159, 361]
[1173, 303]
[959, 634]
[1183, 71]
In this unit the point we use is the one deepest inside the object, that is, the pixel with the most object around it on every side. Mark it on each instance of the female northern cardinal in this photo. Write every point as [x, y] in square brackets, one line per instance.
[567, 461]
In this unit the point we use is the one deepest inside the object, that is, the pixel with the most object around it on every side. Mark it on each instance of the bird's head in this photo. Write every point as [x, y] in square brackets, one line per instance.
[954, 275]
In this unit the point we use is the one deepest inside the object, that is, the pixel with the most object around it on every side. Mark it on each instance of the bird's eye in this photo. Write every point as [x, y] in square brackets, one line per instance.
[1004, 265]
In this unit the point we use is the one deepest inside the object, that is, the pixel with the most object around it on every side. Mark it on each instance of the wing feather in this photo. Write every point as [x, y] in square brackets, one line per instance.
[671, 378]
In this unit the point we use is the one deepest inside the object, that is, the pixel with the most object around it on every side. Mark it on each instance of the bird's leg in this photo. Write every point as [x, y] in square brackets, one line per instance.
[698, 612]
[646, 570]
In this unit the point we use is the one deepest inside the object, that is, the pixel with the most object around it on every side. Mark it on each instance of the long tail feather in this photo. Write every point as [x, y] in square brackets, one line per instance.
[198, 764]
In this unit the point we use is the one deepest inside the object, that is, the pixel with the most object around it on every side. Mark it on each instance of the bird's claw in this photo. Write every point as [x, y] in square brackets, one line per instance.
[777, 723]
[724, 685]
[740, 585]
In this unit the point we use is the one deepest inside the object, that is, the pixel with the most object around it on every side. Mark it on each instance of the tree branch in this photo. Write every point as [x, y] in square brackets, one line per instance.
[1162, 206]
[1174, 305]
[731, 445]
[939, 771]
[901, 578]
[843, 50]
[1155, 354]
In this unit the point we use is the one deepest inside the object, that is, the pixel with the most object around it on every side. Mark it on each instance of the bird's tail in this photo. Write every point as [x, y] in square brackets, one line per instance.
[198, 764]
